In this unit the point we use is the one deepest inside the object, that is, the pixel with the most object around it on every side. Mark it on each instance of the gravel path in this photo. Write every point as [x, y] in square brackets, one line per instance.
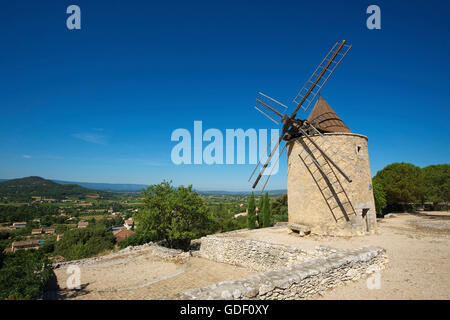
[147, 277]
[418, 248]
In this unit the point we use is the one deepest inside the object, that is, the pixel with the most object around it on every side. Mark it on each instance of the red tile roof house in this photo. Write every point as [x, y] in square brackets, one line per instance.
[122, 234]
[49, 231]
[25, 245]
[83, 224]
[36, 231]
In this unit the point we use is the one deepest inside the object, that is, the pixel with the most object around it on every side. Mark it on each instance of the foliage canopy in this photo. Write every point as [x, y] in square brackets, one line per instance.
[175, 215]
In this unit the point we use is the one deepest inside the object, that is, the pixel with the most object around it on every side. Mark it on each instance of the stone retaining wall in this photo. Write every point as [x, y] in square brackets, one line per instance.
[299, 280]
[256, 255]
[151, 248]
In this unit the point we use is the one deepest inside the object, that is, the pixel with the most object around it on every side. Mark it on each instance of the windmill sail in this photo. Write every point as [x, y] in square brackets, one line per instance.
[315, 83]
[323, 114]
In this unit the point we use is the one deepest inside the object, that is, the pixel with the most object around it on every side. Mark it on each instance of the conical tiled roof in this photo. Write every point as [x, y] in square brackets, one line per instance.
[324, 118]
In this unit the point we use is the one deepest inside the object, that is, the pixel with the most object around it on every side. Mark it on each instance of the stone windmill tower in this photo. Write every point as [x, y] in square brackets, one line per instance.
[329, 180]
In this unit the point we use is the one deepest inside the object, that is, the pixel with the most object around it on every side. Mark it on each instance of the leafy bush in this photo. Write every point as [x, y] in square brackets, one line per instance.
[437, 183]
[49, 245]
[23, 274]
[85, 242]
[280, 208]
[380, 197]
[172, 214]
[136, 239]
[402, 183]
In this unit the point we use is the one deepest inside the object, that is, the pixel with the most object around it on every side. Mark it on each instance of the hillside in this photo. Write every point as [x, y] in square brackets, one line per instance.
[113, 187]
[24, 188]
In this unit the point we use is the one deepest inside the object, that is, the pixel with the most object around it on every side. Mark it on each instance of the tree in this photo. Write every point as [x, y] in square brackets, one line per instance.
[23, 274]
[259, 216]
[266, 216]
[402, 183]
[279, 208]
[175, 215]
[223, 220]
[379, 196]
[251, 212]
[437, 183]
[85, 242]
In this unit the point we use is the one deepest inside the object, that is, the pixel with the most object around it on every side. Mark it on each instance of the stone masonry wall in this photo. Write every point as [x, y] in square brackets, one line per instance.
[300, 280]
[256, 255]
[310, 200]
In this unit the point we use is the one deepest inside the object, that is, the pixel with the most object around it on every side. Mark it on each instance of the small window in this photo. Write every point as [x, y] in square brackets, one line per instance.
[358, 150]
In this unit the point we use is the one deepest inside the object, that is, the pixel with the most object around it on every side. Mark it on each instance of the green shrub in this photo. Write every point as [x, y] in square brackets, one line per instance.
[173, 214]
[402, 183]
[136, 239]
[380, 197]
[85, 242]
[23, 274]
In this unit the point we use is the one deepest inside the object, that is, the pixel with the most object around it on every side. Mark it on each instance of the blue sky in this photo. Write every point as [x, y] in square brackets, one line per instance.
[99, 104]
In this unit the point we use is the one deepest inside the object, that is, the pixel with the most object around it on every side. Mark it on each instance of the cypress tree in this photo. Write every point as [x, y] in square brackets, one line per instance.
[251, 212]
[259, 217]
[266, 216]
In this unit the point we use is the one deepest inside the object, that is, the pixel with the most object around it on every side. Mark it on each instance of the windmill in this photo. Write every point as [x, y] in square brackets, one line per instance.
[329, 182]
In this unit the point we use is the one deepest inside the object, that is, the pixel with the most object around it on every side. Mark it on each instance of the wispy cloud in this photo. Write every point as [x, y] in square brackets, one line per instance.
[91, 137]
[144, 162]
[26, 156]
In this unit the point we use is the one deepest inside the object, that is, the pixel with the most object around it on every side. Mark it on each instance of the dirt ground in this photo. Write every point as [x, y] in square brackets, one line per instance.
[418, 248]
[144, 277]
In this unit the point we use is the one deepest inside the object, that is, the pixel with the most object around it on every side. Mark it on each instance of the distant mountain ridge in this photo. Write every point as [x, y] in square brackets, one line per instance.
[25, 188]
[114, 187]
[131, 187]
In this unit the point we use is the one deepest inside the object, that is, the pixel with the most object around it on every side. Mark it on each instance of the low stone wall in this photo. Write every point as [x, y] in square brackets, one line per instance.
[126, 254]
[300, 280]
[256, 255]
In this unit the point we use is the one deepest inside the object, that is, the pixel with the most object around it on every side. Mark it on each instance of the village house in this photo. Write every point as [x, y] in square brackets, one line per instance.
[25, 245]
[19, 225]
[49, 231]
[129, 223]
[36, 231]
[116, 228]
[122, 234]
[82, 224]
